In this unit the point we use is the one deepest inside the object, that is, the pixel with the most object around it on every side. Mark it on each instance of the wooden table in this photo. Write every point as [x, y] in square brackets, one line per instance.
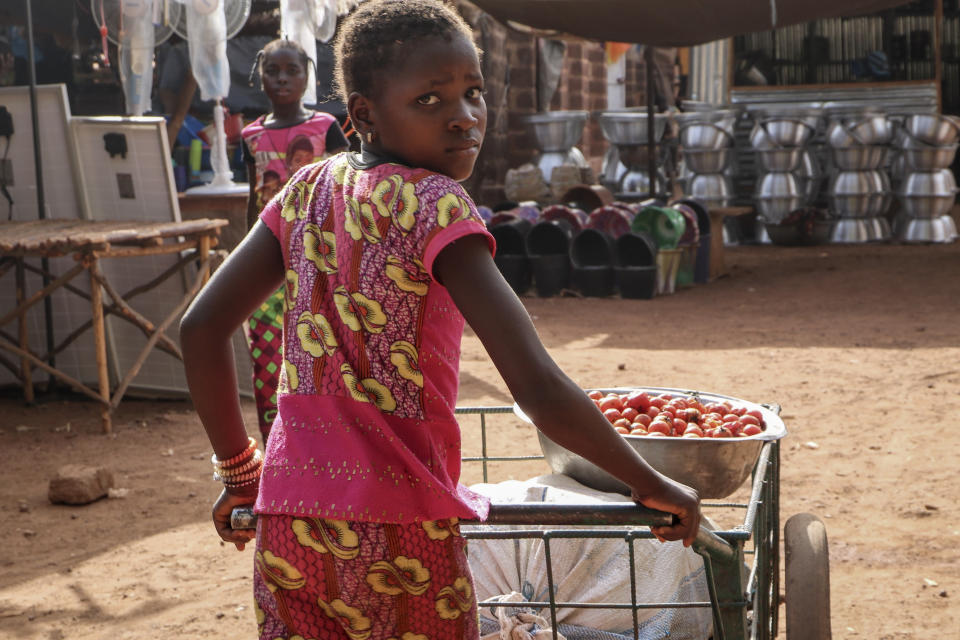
[88, 242]
[717, 215]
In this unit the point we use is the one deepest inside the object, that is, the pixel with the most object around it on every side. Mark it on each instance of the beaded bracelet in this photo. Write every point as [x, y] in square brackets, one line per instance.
[240, 457]
[241, 478]
[252, 463]
[245, 483]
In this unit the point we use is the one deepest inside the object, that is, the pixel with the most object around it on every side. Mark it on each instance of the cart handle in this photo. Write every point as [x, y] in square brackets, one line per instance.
[544, 514]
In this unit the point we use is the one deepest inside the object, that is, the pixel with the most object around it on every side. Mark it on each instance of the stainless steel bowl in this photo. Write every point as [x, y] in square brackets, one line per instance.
[850, 230]
[705, 135]
[630, 127]
[783, 131]
[926, 230]
[938, 183]
[856, 194]
[715, 467]
[859, 157]
[707, 160]
[777, 184]
[714, 188]
[932, 128]
[863, 128]
[779, 159]
[557, 130]
[928, 157]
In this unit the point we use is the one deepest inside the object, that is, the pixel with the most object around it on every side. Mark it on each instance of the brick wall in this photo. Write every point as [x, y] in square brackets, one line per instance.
[510, 68]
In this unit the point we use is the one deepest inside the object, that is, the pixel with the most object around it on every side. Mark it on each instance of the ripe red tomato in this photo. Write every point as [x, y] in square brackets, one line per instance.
[595, 395]
[622, 431]
[611, 401]
[730, 417]
[638, 431]
[693, 429]
[660, 427]
[721, 432]
[666, 414]
[643, 419]
[679, 425]
[658, 402]
[622, 423]
[679, 403]
[751, 430]
[690, 415]
[652, 411]
[638, 400]
[630, 413]
[612, 415]
[746, 419]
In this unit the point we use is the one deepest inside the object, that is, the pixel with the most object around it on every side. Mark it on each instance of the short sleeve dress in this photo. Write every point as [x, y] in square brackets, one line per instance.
[275, 154]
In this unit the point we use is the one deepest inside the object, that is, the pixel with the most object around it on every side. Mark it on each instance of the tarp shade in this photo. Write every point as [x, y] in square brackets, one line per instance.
[670, 23]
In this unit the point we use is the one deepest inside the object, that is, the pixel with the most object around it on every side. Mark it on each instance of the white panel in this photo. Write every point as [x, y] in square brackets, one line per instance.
[148, 164]
[62, 201]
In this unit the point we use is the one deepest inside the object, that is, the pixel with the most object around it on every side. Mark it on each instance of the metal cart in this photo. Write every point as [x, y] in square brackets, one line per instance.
[741, 563]
[747, 553]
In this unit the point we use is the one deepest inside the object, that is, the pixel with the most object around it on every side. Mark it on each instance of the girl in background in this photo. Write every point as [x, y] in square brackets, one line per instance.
[383, 256]
[274, 147]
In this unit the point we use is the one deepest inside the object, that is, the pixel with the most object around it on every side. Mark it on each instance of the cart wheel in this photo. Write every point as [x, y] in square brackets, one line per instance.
[807, 573]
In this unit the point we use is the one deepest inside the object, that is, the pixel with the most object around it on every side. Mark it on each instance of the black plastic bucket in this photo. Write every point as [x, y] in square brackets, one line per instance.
[592, 248]
[511, 236]
[549, 237]
[595, 281]
[637, 282]
[636, 249]
[551, 274]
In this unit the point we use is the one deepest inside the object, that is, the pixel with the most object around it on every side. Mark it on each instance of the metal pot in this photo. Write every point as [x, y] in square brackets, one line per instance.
[932, 128]
[921, 157]
[557, 130]
[779, 159]
[705, 135]
[864, 128]
[715, 189]
[859, 157]
[778, 184]
[780, 132]
[850, 230]
[809, 175]
[707, 160]
[928, 194]
[630, 127]
[856, 194]
[923, 230]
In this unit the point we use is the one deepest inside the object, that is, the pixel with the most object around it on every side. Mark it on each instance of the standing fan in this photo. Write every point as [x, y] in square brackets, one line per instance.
[206, 27]
[136, 27]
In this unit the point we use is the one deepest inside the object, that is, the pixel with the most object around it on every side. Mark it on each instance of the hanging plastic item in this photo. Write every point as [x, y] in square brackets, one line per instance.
[136, 54]
[325, 19]
[298, 23]
[207, 41]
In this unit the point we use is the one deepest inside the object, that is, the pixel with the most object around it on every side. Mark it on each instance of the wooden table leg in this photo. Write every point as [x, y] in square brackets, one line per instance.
[100, 344]
[204, 250]
[26, 374]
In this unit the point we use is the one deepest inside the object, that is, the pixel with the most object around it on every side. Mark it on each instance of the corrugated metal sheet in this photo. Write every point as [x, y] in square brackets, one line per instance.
[710, 72]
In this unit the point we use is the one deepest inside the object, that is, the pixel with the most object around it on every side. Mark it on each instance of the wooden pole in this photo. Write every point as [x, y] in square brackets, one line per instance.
[26, 375]
[648, 63]
[100, 343]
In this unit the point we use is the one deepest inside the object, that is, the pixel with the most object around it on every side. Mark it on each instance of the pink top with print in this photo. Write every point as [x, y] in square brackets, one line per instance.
[365, 427]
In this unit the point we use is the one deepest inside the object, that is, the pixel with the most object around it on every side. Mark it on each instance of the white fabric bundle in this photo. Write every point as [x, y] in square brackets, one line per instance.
[589, 570]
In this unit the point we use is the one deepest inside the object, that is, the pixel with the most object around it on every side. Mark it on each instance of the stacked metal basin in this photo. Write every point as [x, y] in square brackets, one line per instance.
[859, 192]
[706, 140]
[780, 140]
[626, 172]
[925, 146]
[557, 133]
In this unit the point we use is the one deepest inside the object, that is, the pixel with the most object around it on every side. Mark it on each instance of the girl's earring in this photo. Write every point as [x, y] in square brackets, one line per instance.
[370, 137]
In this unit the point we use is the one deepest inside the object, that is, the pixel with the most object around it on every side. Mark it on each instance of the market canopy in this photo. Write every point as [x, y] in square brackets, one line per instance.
[672, 22]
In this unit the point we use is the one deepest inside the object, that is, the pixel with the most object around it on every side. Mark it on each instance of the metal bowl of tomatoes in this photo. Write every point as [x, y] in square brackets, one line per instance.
[714, 466]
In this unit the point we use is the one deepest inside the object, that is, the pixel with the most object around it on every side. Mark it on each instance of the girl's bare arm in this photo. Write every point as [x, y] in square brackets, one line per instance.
[250, 274]
[555, 403]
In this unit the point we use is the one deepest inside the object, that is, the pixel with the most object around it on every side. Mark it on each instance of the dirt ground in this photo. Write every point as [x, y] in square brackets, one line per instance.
[860, 345]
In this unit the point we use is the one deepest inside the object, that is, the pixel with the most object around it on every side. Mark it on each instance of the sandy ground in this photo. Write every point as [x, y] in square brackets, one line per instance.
[860, 345]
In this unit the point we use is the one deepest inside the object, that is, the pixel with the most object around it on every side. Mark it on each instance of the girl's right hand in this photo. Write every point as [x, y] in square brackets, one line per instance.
[229, 500]
[680, 500]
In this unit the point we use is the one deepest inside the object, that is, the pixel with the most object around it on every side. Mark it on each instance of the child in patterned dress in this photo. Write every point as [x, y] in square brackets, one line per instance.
[275, 146]
[383, 257]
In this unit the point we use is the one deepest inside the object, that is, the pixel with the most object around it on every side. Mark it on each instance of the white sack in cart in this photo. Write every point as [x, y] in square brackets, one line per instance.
[589, 570]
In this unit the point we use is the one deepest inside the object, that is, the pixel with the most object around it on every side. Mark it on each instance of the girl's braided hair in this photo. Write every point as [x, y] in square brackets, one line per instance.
[370, 38]
[277, 45]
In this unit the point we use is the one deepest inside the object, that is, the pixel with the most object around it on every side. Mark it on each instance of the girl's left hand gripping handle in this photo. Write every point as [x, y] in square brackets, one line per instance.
[243, 518]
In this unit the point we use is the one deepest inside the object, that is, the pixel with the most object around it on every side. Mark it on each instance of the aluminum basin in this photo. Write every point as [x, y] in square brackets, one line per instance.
[715, 467]
[557, 130]
[630, 127]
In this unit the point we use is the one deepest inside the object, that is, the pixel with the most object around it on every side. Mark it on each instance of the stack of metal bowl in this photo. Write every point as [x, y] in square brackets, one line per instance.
[706, 141]
[859, 192]
[626, 172]
[925, 148]
[779, 139]
[557, 133]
